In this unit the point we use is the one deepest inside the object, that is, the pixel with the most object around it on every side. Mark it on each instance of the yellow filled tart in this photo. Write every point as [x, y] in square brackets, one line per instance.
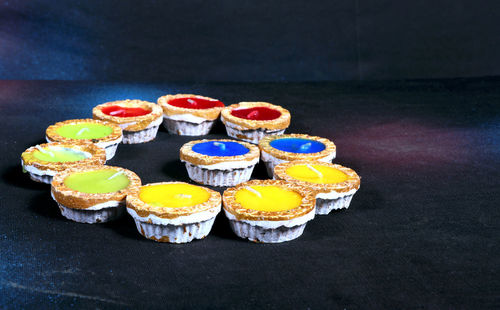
[268, 211]
[334, 185]
[251, 121]
[138, 119]
[174, 212]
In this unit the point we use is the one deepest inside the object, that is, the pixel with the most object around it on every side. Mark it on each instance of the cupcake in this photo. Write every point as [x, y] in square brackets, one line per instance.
[93, 194]
[219, 162]
[251, 121]
[277, 149]
[104, 134]
[174, 212]
[43, 161]
[138, 119]
[334, 185]
[189, 115]
[268, 211]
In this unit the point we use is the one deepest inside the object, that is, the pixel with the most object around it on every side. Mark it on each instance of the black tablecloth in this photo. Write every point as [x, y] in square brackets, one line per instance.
[423, 230]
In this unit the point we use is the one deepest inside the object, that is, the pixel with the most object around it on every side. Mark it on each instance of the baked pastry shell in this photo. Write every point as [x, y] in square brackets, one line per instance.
[143, 209]
[52, 134]
[138, 122]
[187, 153]
[241, 213]
[208, 114]
[281, 122]
[98, 156]
[265, 146]
[353, 180]
[78, 200]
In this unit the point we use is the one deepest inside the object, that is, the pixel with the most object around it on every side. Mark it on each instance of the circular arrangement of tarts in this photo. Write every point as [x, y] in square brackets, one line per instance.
[189, 115]
[219, 162]
[105, 134]
[268, 211]
[93, 194]
[251, 121]
[283, 148]
[138, 119]
[43, 161]
[174, 212]
[334, 185]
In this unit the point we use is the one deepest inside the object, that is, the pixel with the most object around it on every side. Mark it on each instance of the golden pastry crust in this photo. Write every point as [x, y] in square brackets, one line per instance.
[281, 122]
[187, 153]
[53, 136]
[144, 209]
[98, 156]
[233, 207]
[78, 200]
[353, 180]
[265, 146]
[208, 114]
[137, 123]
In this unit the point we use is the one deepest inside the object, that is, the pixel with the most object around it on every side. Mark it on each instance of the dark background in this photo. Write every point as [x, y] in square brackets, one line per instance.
[228, 40]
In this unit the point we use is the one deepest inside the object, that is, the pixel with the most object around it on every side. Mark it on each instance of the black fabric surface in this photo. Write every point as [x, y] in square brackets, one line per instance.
[242, 40]
[422, 232]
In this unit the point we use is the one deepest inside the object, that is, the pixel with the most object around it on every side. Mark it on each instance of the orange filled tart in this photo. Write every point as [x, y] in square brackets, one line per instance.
[283, 148]
[268, 211]
[251, 121]
[104, 134]
[43, 161]
[174, 212]
[138, 119]
[334, 185]
[93, 194]
[189, 115]
[220, 162]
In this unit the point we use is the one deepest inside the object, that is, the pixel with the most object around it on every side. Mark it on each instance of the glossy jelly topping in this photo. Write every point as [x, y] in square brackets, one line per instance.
[84, 131]
[297, 145]
[173, 195]
[97, 181]
[59, 154]
[220, 148]
[268, 198]
[318, 174]
[257, 113]
[116, 110]
[195, 103]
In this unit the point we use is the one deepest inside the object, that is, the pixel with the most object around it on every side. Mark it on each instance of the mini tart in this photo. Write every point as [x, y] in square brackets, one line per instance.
[174, 225]
[329, 196]
[109, 143]
[136, 129]
[254, 130]
[269, 226]
[272, 156]
[43, 171]
[88, 207]
[219, 170]
[186, 121]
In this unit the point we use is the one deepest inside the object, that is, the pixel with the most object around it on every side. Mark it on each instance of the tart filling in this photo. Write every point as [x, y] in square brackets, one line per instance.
[333, 184]
[130, 115]
[268, 211]
[256, 115]
[175, 212]
[190, 108]
[50, 158]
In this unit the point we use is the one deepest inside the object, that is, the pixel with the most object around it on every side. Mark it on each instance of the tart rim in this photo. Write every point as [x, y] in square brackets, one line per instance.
[230, 205]
[282, 122]
[187, 154]
[265, 146]
[52, 135]
[209, 114]
[143, 209]
[140, 122]
[78, 200]
[353, 179]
